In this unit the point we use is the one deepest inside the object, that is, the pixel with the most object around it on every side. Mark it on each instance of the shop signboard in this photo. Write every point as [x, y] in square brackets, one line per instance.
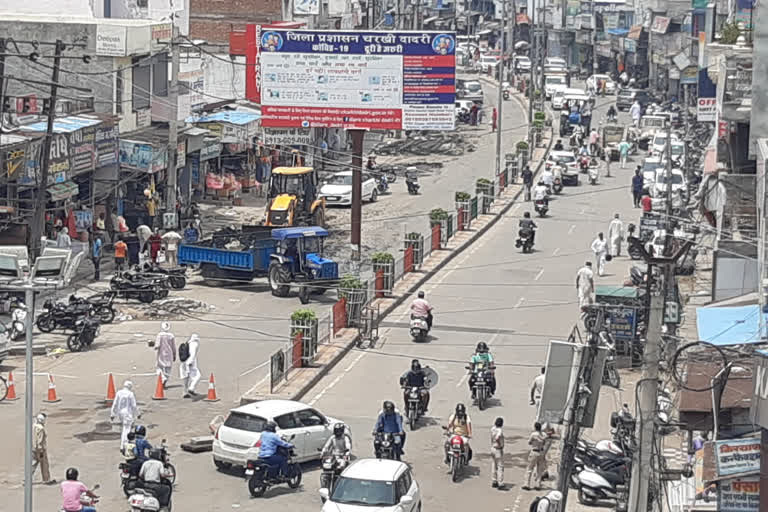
[181, 154]
[135, 155]
[59, 155]
[211, 149]
[630, 45]
[660, 24]
[14, 160]
[374, 80]
[603, 48]
[623, 322]
[83, 146]
[111, 40]
[736, 456]
[706, 109]
[106, 144]
[739, 494]
[610, 20]
[635, 32]
[32, 166]
[689, 75]
[287, 136]
[649, 223]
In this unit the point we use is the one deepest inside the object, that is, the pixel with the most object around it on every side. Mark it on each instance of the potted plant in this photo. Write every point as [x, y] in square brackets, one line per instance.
[304, 321]
[415, 240]
[484, 186]
[352, 289]
[462, 197]
[384, 262]
[437, 215]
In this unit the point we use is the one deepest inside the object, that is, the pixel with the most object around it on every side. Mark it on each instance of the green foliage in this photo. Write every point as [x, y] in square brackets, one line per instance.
[522, 146]
[483, 182]
[462, 197]
[382, 257]
[729, 33]
[303, 316]
[413, 235]
[539, 116]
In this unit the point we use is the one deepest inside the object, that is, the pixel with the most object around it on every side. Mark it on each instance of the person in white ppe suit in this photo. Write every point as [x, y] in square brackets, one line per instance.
[125, 409]
[190, 373]
[165, 344]
[600, 248]
[585, 284]
[615, 236]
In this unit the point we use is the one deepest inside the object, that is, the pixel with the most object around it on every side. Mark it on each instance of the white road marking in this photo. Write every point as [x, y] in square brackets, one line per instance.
[538, 275]
[466, 375]
[519, 302]
[573, 226]
[516, 506]
[554, 253]
[337, 379]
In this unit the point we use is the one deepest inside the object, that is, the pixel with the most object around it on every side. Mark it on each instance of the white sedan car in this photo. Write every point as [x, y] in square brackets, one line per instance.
[337, 190]
[610, 85]
[238, 439]
[374, 484]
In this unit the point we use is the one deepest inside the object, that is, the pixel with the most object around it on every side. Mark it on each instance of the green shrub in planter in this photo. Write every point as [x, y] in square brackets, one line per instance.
[522, 146]
[436, 215]
[303, 316]
[462, 197]
[347, 284]
[539, 116]
[382, 257]
[483, 182]
[413, 235]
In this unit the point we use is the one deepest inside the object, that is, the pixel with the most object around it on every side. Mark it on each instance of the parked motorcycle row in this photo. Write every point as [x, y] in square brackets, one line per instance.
[387, 174]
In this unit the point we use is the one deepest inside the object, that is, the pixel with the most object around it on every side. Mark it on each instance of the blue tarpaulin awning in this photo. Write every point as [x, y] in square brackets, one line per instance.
[729, 325]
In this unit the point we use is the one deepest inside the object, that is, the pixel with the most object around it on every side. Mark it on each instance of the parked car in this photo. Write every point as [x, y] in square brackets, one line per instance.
[658, 145]
[554, 82]
[660, 187]
[522, 63]
[555, 62]
[568, 163]
[627, 97]
[610, 85]
[488, 61]
[463, 107]
[472, 91]
[238, 439]
[374, 484]
[337, 190]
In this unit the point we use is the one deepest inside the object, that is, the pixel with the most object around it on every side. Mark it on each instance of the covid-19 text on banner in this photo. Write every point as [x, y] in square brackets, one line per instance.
[370, 80]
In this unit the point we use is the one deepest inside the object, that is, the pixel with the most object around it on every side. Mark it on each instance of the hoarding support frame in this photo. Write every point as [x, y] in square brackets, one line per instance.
[358, 138]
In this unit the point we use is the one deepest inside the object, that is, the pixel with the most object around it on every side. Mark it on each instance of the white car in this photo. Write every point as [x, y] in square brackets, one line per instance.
[660, 187]
[337, 190]
[238, 439]
[378, 485]
[554, 83]
[555, 62]
[610, 85]
[658, 145]
[488, 61]
[522, 63]
[568, 162]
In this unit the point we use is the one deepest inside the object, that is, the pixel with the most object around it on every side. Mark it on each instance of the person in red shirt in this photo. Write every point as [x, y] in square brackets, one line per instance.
[155, 242]
[71, 489]
[646, 202]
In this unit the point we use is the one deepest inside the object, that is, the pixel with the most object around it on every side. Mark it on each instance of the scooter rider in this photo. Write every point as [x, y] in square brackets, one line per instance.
[540, 193]
[558, 145]
[142, 449]
[415, 379]
[71, 489]
[482, 356]
[527, 224]
[421, 308]
[459, 424]
[339, 444]
[268, 452]
[612, 113]
[390, 421]
[547, 178]
[155, 477]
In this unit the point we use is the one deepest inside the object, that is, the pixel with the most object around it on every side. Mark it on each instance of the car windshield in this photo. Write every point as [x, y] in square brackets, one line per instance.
[660, 140]
[474, 87]
[523, 60]
[340, 179]
[555, 80]
[563, 159]
[651, 166]
[627, 93]
[677, 149]
[247, 422]
[372, 493]
[677, 179]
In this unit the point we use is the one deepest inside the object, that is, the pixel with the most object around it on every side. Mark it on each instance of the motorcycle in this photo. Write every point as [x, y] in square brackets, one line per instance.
[610, 373]
[86, 330]
[102, 306]
[384, 445]
[593, 175]
[412, 182]
[332, 466]
[456, 454]
[177, 277]
[18, 323]
[143, 291]
[261, 476]
[415, 407]
[62, 316]
[584, 163]
[525, 240]
[161, 281]
[481, 389]
[598, 484]
[130, 481]
[505, 94]
[382, 185]
[540, 205]
[557, 186]
[419, 328]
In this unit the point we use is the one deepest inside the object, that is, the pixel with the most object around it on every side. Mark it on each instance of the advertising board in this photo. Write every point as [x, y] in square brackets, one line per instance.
[706, 109]
[111, 40]
[623, 322]
[739, 495]
[287, 136]
[367, 80]
[736, 456]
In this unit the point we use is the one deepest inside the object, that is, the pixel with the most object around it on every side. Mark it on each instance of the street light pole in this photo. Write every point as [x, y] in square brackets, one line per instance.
[29, 403]
[500, 99]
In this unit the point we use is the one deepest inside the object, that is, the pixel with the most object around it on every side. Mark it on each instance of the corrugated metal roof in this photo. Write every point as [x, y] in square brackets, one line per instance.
[737, 395]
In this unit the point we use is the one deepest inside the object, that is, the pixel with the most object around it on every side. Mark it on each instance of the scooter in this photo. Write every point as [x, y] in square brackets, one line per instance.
[457, 454]
[525, 240]
[419, 328]
[597, 484]
[382, 185]
[86, 331]
[593, 175]
[143, 499]
[540, 205]
[18, 321]
[412, 182]
[505, 94]
[261, 476]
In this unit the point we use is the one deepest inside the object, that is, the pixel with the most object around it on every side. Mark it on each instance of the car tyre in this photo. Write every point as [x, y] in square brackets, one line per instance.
[374, 195]
[221, 465]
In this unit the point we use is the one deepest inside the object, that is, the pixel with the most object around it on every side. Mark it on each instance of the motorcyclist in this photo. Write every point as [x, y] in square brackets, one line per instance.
[526, 224]
[612, 113]
[339, 444]
[459, 424]
[270, 442]
[142, 449]
[71, 489]
[155, 476]
[574, 118]
[584, 150]
[547, 177]
[540, 193]
[482, 356]
[371, 165]
[421, 308]
[415, 379]
[559, 145]
[390, 421]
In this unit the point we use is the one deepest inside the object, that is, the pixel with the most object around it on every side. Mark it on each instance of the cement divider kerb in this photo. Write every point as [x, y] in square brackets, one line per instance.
[429, 275]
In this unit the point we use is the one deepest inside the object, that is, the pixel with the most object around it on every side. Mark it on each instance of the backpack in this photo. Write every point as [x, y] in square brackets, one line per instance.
[534, 507]
[183, 351]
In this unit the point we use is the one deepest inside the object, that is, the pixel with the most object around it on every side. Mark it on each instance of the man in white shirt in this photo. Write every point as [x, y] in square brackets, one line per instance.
[124, 407]
[171, 240]
[585, 284]
[152, 473]
[600, 248]
[636, 111]
[615, 235]
[540, 192]
[537, 387]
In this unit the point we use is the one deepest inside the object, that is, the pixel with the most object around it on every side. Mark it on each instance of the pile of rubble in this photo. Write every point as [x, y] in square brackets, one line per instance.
[427, 143]
[172, 307]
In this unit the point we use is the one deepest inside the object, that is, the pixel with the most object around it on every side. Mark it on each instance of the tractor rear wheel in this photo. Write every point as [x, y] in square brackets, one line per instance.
[318, 217]
[278, 280]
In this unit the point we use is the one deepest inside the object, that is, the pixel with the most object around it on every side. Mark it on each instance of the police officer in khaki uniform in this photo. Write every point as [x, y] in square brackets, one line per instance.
[536, 457]
[497, 454]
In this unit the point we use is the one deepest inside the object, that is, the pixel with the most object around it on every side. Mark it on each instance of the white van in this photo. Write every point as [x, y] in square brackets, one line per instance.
[563, 95]
[554, 82]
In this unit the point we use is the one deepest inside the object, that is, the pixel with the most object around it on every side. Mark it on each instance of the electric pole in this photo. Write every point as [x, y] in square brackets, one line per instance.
[594, 39]
[669, 225]
[38, 220]
[2, 98]
[532, 85]
[500, 100]
[173, 125]
[358, 137]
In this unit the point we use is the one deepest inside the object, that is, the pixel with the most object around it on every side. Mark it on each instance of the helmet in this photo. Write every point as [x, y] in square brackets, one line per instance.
[421, 295]
[72, 474]
[415, 365]
[141, 430]
[389, 407]
[482, 347]
[338, 429]
[527, 215]
[271, 426]
[156, 454]
[461, 410]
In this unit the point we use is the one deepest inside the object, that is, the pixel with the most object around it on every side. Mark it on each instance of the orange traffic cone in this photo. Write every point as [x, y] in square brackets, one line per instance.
[110, 389]
[52, 398]
[11, 388]
[159, 390]
[211, 390]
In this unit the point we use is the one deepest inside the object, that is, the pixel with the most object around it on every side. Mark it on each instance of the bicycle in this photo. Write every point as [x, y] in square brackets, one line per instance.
[3, 388]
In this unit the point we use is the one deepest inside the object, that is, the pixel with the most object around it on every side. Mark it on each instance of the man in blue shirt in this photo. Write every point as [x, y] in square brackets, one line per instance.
[141, 449]
[637, 186]
[390, 421]
[96, 257]
[270, 442]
